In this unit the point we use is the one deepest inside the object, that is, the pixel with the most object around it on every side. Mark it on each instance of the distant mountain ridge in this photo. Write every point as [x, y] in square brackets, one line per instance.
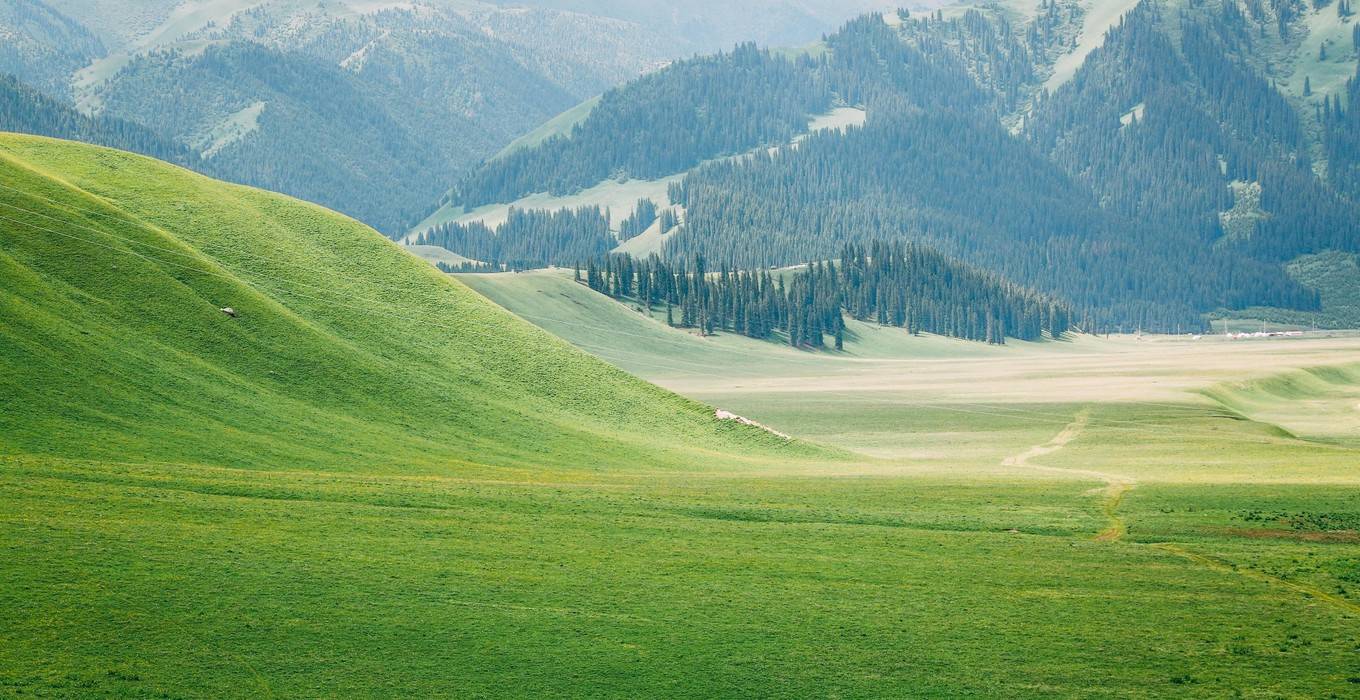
[420, 90]
[371, 108]
[43, 45]
[705, 26]
[1171, 174]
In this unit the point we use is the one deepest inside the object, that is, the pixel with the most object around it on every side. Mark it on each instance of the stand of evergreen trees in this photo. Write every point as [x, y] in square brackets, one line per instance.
[529, 238]
[468, 267]
[893, 284]
[1341, 122]
[669, 220]
[644, 215]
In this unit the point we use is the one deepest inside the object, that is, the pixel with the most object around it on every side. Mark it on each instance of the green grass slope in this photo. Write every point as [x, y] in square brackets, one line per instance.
[1316, 402]
[346, 352]
[559, 125]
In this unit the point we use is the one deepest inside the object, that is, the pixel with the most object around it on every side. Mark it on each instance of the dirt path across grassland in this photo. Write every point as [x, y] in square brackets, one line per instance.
[1116, 486]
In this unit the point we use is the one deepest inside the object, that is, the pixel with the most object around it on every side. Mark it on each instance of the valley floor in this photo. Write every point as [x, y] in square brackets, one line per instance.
[1097, 517]
[1094, 518]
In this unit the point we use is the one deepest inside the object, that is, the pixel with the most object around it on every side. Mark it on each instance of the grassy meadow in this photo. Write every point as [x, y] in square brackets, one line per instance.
[376, 483]
[1226, 470]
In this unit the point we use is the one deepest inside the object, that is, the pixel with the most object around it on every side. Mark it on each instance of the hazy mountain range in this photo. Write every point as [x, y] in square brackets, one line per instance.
[337, 102]
[1148, 162]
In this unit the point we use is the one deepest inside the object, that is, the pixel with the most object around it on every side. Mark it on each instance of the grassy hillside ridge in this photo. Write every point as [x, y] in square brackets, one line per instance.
[346, 348]
[559, 125]
[1314, 402]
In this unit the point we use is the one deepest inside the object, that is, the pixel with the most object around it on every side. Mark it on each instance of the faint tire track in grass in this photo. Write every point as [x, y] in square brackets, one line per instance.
[1228, 567]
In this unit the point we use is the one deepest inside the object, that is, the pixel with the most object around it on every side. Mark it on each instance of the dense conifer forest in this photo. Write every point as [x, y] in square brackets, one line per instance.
[24, 109]
[1025, 218]
[1191, 117]
[893, 284]
[529, 239]
[1168, 177]
[1341, 117]
[662, 124]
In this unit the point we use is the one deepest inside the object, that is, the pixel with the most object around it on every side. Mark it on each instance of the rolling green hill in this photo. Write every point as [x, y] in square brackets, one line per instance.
[113, 333]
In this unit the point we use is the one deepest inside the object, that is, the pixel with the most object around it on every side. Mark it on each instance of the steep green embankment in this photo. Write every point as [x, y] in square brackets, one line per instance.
[1319, 403]
[347, 354]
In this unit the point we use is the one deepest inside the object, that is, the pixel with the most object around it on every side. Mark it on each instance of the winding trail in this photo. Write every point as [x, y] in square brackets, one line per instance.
[1116, 485]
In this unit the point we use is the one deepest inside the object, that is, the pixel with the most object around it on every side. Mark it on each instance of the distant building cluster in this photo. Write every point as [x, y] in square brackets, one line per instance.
[1265, 334]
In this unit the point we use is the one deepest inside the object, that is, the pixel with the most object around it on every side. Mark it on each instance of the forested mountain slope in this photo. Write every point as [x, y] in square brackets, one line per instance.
[1177, 130]
[285, 122]
[24, 109]
[371, 108]
[1168, 176]
[338, 346]
[1341, 136]
[43, 45]
[662, 124]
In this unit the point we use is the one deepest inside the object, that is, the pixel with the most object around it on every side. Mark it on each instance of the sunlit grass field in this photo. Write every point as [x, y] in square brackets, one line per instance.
[913, 577]
[345, 497]
[1228, 470]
